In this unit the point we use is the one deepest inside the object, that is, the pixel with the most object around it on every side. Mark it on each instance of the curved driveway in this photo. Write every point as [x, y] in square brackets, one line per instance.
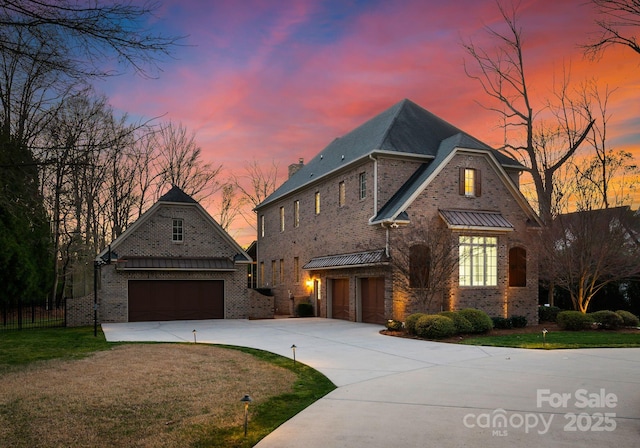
[408, 393]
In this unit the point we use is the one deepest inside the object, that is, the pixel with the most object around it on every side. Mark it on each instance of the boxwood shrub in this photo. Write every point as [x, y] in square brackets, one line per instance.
[573, 320]
[480, 321]
[461, 323]
[629, 319]
[548, 313]
[519, 321]
[502, 322]
[305, 310]
[434, 326]
[410, 322]
[393, 325]
[607, 320]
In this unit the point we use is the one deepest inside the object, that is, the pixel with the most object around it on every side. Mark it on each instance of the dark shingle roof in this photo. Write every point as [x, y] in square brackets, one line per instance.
[405, 128]
[177, 195]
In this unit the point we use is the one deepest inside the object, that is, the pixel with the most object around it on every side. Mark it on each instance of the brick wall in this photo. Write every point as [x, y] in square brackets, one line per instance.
[79, 311]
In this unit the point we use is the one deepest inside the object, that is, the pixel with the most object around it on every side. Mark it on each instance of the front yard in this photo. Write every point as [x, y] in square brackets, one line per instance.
[90, 393]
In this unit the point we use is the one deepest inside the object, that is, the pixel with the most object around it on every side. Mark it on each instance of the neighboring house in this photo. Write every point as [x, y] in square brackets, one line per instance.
[328, 234]
[174, 263]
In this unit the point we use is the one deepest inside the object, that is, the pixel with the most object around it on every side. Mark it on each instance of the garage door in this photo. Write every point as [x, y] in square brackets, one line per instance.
[372, 299]
[340, 298]
[151, 300]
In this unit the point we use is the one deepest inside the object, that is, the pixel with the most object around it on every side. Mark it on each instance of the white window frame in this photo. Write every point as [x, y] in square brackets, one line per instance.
[177, 233]
[478, 260]
[470, 182]
[296, 213]
[362, 181]
[281, 219]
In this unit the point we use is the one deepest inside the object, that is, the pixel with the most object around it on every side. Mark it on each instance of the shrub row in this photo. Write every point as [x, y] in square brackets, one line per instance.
[608, 320]
[548, 313]
[447, 323]
[509, 322]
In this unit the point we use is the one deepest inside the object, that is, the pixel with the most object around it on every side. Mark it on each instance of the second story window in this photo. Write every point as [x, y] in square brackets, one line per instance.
[177, 233]
[282, 219]
[342, 194]
[470, 182]
[296, 213]
[317, 202]
[261, 225]
[362, 180]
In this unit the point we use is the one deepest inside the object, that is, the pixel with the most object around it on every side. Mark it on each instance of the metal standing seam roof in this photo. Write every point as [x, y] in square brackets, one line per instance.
[175, 264]
[475, 219]
[347, 260]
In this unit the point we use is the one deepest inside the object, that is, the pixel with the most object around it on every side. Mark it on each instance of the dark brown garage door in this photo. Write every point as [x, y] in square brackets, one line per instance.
[340, 298]
[151, 300]
[372, 295]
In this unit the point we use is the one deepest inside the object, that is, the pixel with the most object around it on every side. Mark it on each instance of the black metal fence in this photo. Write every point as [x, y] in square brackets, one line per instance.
[32, 314]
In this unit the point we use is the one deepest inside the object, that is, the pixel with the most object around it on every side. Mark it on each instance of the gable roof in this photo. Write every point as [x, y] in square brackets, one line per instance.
[404, 129]
[174, 196]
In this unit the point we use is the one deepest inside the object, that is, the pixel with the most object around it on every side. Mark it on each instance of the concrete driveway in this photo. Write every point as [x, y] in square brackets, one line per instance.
[403, 392]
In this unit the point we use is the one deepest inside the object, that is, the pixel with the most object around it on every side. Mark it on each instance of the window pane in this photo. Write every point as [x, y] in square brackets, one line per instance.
[478, 262]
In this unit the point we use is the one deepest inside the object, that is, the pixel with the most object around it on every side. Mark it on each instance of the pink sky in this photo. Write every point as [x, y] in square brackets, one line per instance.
[279, 80]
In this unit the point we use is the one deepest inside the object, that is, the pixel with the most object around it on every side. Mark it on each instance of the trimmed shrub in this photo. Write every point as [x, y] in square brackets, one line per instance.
[502, 323]
[461, 323]
[410, 322]
[305, 310]
[629, 319]
[434, 326]
[573, 320]
[393, 325]
[607, 319]
[548, 313]
[519, 321]
[480, 321]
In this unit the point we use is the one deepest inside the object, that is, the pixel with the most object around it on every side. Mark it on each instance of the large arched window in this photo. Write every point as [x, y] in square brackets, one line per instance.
[517, 266]
[419, 266]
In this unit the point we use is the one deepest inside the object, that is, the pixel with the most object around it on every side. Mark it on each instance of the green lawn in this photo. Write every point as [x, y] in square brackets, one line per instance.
[559, 340]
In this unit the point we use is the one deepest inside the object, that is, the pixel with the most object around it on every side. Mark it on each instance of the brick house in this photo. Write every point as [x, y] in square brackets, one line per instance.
[333, 233]
[174, 263]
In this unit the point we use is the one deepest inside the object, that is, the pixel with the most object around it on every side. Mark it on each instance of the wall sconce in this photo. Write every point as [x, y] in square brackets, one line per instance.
[309, 283]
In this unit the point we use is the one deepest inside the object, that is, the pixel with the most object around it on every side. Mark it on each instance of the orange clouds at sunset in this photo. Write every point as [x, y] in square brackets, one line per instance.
[278, 81]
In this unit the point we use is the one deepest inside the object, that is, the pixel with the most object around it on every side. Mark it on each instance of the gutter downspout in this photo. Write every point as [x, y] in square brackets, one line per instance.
[375, 186]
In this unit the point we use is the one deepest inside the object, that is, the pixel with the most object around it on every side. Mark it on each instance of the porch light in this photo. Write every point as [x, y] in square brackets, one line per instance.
[309, 283]
[246, 400]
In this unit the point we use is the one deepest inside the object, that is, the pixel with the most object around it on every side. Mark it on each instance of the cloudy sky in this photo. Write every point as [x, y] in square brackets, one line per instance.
[278, 80]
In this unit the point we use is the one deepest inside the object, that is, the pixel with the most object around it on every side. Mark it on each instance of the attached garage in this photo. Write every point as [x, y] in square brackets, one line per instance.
[161, 300]
[372, 300]
[340, 298]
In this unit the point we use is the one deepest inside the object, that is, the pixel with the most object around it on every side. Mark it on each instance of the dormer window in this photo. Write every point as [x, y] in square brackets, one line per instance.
[177, 234]
[470, 182]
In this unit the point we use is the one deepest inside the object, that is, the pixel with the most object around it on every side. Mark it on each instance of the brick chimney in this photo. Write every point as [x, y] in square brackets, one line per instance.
[295, 167]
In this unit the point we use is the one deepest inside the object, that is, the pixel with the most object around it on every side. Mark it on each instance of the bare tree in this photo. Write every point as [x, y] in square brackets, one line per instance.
[424, 257]
[230, 206]
[82, 34]
[589, 249]
[180, 163]
[618, 20]
[545, 146]
[254, 186]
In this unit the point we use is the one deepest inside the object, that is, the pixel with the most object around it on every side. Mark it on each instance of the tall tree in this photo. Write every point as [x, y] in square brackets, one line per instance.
[618, 20]
[254, 186]
[545, 146]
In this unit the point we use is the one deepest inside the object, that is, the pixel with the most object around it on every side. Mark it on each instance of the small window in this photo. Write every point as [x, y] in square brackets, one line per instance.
[262, 273]
[363, 185]
[261, 225]
[296, 213]
[281, 270]
[296, 269]
[470, 182]
[282, 219]
[317, 202]
[274, 275]
[342, 193]
[178, 234]
[517, 266]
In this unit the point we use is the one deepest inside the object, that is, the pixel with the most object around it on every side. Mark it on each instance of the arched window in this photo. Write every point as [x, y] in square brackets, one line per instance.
[517, 266]
[419, 266]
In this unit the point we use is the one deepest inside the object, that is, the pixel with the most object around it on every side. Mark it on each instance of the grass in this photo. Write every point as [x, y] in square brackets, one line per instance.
[65, 387]
[560, 340]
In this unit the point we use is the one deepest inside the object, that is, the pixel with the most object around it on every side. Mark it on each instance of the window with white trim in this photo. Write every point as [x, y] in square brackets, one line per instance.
[178, 231]
[362, 181]
[296, 213]
[478, 262]
[282, 219]
[342, 194]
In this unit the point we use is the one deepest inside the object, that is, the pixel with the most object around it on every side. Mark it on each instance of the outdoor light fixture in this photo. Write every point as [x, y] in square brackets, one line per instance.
[544, 336]
[293, 348]
[309, 283]
[194, 335]
[246, 400]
